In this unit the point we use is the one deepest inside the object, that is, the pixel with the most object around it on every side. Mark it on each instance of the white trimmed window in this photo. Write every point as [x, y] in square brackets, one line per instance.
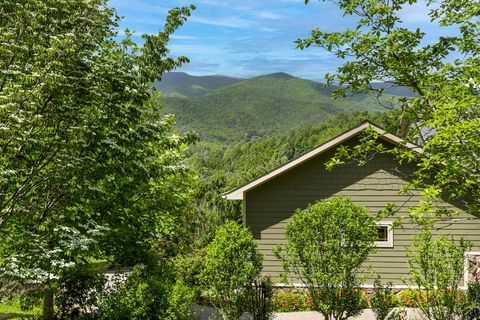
[384, 235]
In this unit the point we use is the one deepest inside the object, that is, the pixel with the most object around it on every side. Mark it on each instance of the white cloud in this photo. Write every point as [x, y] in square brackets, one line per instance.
[228, 22]
[182, 37]
[191, 49]
[268, 29]
[268, 15]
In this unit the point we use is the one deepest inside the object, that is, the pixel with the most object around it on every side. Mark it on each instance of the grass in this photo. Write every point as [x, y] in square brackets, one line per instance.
[11, 310]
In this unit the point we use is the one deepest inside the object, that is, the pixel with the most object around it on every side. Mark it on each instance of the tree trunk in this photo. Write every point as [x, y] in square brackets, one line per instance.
[48, 313]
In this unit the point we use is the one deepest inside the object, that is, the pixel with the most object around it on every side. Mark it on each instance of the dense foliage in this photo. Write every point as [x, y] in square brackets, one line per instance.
[89, 166]
[444, 74]
[327, 245]
[148, 292]
[78, 291]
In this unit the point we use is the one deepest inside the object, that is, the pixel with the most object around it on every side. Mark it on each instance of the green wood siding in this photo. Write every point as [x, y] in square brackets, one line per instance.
[270, 206]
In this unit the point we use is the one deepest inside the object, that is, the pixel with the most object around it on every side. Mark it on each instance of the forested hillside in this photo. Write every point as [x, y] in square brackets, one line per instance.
[260, 107]
[249, 127]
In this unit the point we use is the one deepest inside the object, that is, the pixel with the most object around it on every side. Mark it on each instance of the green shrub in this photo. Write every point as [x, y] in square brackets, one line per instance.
[327, 244]
[149, 292]
[189, 268]
[232, 262]
[473, 293]
[179, 301]
[78, 292]
[437, 266]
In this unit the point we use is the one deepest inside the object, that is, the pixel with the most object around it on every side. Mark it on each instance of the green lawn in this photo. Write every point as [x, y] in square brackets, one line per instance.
[11, 310]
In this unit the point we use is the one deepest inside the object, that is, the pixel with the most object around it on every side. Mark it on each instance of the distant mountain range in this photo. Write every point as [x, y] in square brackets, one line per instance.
[228, 110]
[183, 84]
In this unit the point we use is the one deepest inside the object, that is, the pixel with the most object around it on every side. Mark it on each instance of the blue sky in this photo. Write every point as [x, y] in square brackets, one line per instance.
[251, 37]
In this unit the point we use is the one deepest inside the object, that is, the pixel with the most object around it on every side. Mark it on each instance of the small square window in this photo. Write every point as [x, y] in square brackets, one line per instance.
[384, 235]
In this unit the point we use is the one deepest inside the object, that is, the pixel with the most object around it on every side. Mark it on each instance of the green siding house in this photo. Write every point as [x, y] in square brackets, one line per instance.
[270, 200]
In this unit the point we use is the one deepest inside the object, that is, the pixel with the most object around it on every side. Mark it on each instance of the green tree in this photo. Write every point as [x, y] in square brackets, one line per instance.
[88, 164]
[444, 74]
[437, 268]
[232, 262]
[327, 245]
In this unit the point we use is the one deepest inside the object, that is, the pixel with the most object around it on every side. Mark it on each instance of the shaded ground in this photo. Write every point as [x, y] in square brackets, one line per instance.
[12, 315]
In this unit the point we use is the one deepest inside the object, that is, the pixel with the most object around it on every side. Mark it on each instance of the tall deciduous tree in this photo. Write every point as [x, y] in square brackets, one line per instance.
[444, 74]
[88, 165]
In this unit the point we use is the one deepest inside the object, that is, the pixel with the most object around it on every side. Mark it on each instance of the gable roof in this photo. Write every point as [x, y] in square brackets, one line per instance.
[238, 193]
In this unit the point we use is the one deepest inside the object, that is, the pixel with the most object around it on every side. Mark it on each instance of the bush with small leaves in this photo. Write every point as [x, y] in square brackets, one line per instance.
[79, 292]
[437, 267]
[473, 293]
[149, 292]
[327, 245]
[232, 262]
[189, 268]
[473, 296]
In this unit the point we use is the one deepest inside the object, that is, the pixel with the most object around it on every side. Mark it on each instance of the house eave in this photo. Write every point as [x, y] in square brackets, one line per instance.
[233, 196]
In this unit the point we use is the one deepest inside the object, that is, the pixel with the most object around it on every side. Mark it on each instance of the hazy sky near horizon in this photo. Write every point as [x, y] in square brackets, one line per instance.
[252, 37]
